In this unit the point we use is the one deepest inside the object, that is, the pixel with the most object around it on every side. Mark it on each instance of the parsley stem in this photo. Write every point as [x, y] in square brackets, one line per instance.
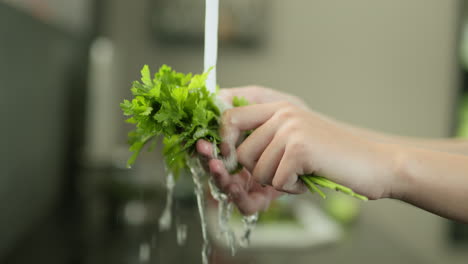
[312, 180]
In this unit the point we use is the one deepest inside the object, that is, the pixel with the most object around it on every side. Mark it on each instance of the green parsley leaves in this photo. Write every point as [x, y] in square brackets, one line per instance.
[175, 105]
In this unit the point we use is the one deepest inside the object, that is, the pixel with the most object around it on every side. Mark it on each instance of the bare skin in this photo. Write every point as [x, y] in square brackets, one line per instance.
[290, 140]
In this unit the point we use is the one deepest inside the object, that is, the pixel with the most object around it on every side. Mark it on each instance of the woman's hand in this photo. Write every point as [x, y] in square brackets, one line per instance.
[247, 194]
[289, 140]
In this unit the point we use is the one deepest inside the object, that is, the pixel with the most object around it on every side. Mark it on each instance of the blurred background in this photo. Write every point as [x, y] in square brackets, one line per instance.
[65, 196]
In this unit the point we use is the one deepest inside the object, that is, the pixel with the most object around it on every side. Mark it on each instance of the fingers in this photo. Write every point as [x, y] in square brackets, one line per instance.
[248, 117]
[286, 177]
[267, 165]
[241, 119]
[251, 149]
[223, 179]
[248, 199]
[249, 203]
[205, 148]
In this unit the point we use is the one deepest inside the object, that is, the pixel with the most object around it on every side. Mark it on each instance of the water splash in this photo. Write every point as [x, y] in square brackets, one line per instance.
[166, 217]
[225, 208]
[197, 171]
[181, 230]
[224, 215]
[249, 224]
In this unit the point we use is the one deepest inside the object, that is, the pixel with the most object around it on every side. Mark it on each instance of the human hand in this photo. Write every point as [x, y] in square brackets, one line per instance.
[289, 141]
[247, 194]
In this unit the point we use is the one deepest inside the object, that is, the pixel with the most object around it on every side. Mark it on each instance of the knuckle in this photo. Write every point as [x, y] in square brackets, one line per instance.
[286, 111]
[226, 117]
[294, 125]
[290, 130]
[228, 120]
[296, 148]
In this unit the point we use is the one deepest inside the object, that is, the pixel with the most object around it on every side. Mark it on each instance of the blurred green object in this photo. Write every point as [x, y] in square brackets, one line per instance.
[342, 208]
[459, 232]
[279, 211]
[463, 118]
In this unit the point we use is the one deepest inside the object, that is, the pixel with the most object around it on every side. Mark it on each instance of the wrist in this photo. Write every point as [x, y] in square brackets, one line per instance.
[398, 178]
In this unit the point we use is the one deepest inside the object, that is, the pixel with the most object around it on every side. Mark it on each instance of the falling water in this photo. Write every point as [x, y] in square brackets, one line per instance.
[224, 215]
[166, 217]
[224, 212]
[197, 171]
[225, 207]
[249, 224]
[211, 42]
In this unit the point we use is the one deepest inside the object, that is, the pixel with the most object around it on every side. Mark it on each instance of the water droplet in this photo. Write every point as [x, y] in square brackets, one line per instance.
[145, 252]
[181, 234]
[224, 215]
[166, 217]
[249, 224]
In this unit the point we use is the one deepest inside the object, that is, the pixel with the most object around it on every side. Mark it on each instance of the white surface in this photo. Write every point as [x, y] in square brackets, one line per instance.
[211, 42]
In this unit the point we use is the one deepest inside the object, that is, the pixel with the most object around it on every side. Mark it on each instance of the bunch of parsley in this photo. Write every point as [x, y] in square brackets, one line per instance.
[180, 108]
[175, 105]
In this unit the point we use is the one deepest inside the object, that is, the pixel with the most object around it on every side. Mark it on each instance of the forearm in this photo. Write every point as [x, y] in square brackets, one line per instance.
[432, 180]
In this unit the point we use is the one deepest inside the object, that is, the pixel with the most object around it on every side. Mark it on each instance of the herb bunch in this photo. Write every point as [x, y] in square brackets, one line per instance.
[175, 105]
